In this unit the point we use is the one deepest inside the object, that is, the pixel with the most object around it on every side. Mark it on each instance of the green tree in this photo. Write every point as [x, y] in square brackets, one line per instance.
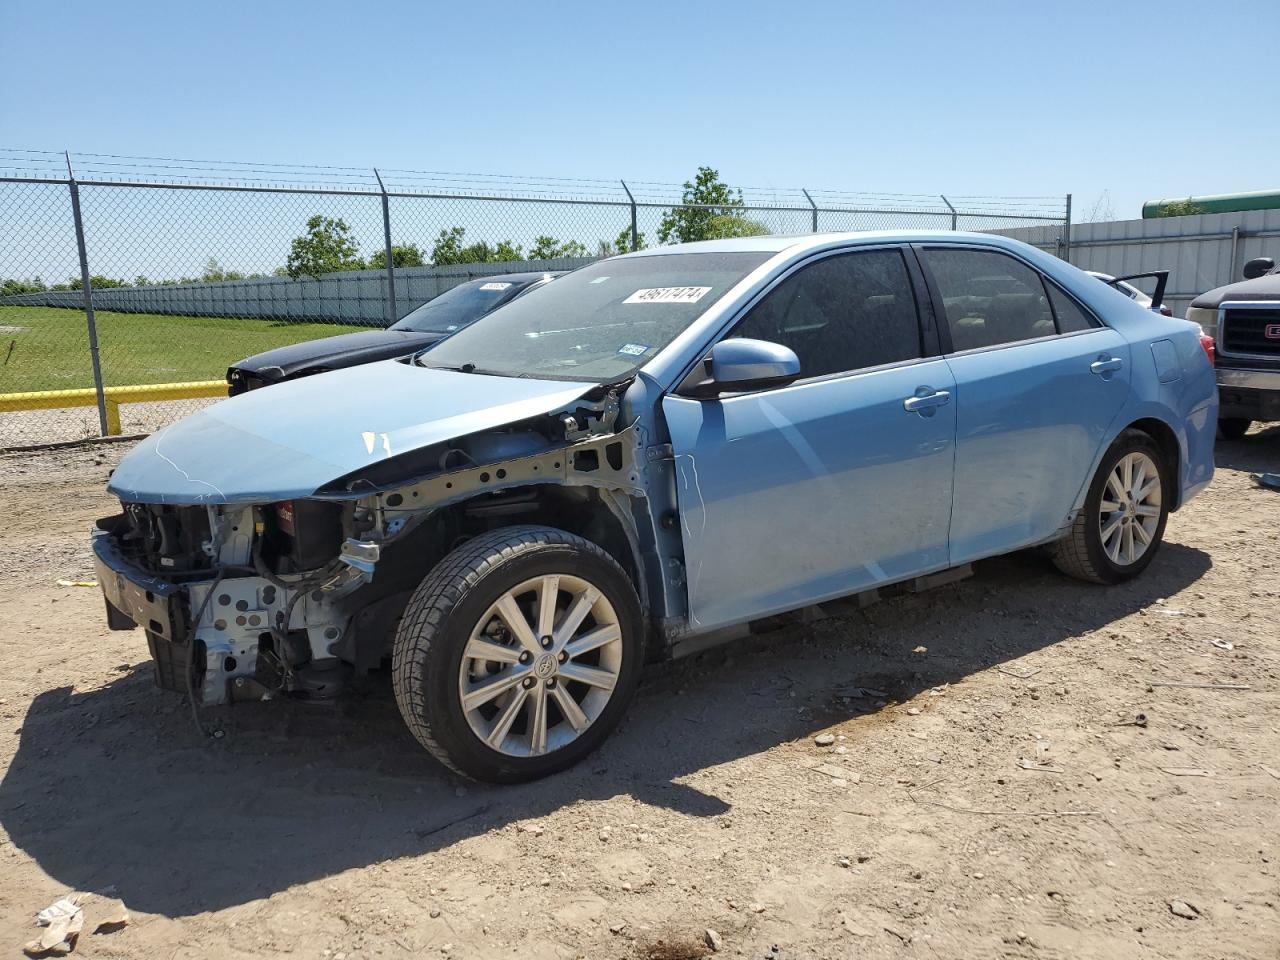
[97, 282]
[449, 249]
[402, 255]
[213, 273]
[326, 247]
[548, 248]
[1181, 208]
[728, 225]
[141, 281]
[504, 251]
[623, 243]
[704, 199]
[11, 288]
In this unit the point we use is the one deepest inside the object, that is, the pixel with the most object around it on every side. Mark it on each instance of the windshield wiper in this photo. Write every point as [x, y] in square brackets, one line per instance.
[461, 368]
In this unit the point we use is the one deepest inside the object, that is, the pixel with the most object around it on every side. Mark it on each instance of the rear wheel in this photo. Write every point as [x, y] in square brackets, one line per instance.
[518, 653]
[1121, 527]
[1233, 428]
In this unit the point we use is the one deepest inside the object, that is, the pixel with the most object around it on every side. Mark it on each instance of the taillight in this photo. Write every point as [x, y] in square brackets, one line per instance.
[1210, 351]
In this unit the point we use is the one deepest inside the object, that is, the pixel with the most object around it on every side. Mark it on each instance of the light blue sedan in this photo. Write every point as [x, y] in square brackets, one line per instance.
[647, 456]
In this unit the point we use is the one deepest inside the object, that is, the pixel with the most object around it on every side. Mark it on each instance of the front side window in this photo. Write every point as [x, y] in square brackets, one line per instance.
[599, 323]
[989, 298]
[844, 312]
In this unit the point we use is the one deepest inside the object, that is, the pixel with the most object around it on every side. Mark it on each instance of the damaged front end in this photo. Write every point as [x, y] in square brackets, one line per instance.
[237, 601]
[246, 600]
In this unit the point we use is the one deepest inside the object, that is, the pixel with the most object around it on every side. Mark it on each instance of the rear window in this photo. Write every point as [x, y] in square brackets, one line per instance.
[459, 306]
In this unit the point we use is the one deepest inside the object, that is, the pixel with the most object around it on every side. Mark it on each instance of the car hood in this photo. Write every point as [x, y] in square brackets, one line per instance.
[292, 439]
[1266, 287]
[332, 352]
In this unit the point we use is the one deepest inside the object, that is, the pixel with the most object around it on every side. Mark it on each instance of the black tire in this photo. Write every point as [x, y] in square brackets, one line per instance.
[445, 608]
[1080, 554]
[1233, 428]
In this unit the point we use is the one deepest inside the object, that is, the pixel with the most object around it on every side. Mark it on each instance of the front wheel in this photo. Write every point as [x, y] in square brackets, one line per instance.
[1120, 529]
[518, 653]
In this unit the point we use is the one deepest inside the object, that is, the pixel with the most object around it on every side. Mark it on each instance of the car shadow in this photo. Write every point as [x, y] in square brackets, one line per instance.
[113, 785]
[1256, 452]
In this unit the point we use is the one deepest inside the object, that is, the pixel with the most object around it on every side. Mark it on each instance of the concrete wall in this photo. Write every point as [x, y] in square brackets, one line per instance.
[1201, 252]
[355, 296]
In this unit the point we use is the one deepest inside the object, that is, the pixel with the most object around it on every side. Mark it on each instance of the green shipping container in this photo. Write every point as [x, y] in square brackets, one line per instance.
[1221, 203]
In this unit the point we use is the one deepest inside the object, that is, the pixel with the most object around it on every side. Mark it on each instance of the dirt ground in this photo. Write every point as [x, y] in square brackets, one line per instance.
[1024, 787]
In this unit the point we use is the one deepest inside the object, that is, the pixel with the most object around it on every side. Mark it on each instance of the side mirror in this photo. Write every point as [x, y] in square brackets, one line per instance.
[1258, 267]
[741, 364]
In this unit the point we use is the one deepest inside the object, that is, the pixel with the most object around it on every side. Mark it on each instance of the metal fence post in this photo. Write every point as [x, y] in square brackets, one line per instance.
[952, 209]
[86, 286]
[1066, 232]
[815, 209]
[635, 224]
[386, 236]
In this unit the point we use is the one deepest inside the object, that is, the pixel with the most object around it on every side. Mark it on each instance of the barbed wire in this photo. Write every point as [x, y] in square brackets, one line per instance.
[124, 168]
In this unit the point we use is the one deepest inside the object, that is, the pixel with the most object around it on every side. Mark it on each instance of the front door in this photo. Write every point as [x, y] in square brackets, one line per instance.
[835, 483]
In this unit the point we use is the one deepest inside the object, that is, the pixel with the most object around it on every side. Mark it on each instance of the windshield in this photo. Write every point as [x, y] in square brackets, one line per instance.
[460, 305]
[598, 323]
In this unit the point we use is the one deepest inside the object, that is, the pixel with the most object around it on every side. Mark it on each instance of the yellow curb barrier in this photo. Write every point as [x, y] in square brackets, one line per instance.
[114, 396]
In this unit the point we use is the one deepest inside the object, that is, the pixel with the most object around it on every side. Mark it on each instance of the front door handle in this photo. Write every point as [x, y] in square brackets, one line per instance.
[926, 400]
[1105, 365]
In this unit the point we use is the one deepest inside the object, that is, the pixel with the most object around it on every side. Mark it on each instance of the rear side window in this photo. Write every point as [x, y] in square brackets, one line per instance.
[844, 312]
[989, 298]
[1070, 316]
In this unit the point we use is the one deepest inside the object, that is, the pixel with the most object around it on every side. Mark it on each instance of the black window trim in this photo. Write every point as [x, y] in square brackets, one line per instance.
[927, 327]
[1089, 314]
[940, 310]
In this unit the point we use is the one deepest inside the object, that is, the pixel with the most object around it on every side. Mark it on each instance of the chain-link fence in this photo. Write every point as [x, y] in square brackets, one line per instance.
[129, 285]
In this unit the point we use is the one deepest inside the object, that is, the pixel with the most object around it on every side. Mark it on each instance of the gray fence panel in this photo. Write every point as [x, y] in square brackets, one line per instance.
[1201, 252]
[354, 296]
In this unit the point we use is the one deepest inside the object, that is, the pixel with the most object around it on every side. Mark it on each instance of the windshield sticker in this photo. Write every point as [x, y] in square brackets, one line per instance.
[599, 280]
[634, 349]
[494, 285]
[668, 295]
[452, 327]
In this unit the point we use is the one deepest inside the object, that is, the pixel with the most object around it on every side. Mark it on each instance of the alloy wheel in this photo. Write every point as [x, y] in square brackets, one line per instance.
[1129, 512]
[540, 666]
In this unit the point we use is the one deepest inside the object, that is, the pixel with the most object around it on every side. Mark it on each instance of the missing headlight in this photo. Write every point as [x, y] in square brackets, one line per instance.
[301, 534]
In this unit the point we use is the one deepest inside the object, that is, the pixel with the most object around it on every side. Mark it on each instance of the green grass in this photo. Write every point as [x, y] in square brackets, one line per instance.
[47, 348]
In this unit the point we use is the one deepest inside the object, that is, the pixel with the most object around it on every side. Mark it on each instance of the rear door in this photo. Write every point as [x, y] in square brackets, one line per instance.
[1039, 380]
[842, 480]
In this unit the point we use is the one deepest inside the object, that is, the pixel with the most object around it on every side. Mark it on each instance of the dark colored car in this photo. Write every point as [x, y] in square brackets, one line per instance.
[430, 323]
[1244, 321]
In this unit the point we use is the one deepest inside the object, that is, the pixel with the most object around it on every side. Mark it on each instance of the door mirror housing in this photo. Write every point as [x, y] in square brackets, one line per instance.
[741, 364]
[1258, 267]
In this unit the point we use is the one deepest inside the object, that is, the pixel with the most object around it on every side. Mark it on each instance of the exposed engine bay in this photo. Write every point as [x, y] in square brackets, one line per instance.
[247, 601]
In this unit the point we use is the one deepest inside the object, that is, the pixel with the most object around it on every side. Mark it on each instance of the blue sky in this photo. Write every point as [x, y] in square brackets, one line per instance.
[1137, 99]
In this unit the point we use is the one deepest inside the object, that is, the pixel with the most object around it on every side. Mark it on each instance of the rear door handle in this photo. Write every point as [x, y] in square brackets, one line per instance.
[926, 400]
[1105, 365]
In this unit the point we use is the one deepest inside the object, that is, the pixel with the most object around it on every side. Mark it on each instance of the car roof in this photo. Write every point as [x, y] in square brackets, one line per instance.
[799, 243]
